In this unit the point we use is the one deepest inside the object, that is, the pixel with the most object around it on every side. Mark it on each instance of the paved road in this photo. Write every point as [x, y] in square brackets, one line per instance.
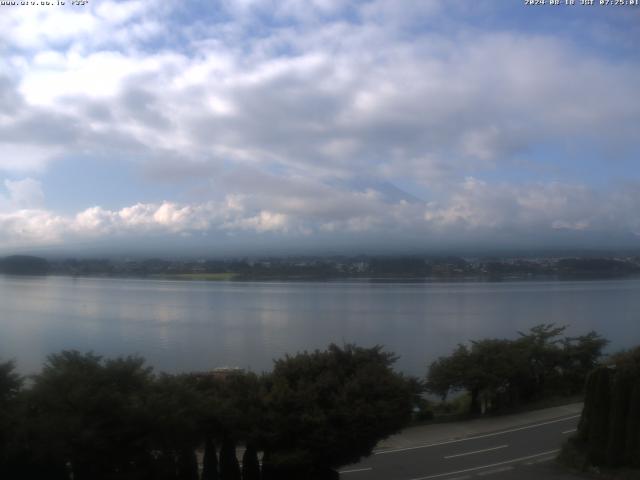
[522, 452]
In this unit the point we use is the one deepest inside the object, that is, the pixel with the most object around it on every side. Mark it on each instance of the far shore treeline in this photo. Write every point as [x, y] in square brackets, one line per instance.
[87, 417]
[372, 267]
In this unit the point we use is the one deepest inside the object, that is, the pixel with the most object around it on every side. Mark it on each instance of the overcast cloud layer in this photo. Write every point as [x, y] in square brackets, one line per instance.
[319, 123]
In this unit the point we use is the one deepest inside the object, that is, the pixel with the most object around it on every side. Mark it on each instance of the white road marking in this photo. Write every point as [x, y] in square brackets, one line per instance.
[542, 460]
[356, 470]
[477, 451]
[506, 462]
[448, 442]
[495, 470]
[566, 432]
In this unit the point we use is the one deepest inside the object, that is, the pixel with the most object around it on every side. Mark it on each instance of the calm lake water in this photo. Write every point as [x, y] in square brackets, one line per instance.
[184, 325]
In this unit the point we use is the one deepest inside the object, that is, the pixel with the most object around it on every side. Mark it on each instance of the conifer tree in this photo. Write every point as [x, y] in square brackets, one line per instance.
[229, 466]
[632, 441]
[250, 464]
[187, 465]
[598, 429]
[621, 392]
[210, 461]
[586, 419]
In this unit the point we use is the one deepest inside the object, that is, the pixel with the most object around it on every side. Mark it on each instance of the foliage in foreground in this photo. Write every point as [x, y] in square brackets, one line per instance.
[609, 429]
[85, 417]
[499, 373]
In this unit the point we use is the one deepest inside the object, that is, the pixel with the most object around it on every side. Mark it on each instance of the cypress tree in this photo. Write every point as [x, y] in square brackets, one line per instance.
[187, 465]
[621, 393]
[210, 461]
[229, 467]
[586, 419]
[250, 464]
[598, 429]
[164, 467]
[268, 472]
[632, 443]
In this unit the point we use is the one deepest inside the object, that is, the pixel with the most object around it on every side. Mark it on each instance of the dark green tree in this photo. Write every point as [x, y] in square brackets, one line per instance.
[622, 388]
[597, 423]
[627, 364]
[91, 413]
[187, 465]
[229, 466]
[544, 357]
[174, 405]
[632, 442]
[499, 373]
[489, 371]
[250, 464]
[447, 374]
[330, 408]
[10, 450]
[210, 460]
[580, 355]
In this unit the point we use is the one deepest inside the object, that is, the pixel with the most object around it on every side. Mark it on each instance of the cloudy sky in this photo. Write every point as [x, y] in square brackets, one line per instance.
[302, 125]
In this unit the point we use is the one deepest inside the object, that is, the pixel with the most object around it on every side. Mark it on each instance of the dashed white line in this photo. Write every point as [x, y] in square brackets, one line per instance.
[466, 470]
[448, 442]
[566, 432]
[542, 460]
[477, 451]
[495, 470]
[355, 470]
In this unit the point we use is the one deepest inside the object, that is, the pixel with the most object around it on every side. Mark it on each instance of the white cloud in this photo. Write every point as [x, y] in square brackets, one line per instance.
[25, 193]
[320, 100]
[475, 210]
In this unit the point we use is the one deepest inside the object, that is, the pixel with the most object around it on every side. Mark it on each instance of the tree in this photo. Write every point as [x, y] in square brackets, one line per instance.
[594, 424]
[499, 373]
[24, 265]
[10, 386]
[610, 424]
[91, 413]
[10, 382]
[174, 406]
[187, 465]
[627, 364]
[447, 374]
[229, 466]
[330, 408]
[250, 464]
[544, 358]
[489, 371]
[632, 442]
[620, 401]
[210, 460]
[580, 355]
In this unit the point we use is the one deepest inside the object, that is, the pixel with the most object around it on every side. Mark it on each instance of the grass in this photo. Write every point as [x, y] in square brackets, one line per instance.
[457, 409]
[573, 457]
[198, 276]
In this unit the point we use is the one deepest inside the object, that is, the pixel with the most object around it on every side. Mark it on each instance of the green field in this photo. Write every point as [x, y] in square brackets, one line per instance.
[198, 276]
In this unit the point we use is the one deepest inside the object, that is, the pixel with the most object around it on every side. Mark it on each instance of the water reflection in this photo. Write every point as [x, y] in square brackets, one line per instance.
[199, 325]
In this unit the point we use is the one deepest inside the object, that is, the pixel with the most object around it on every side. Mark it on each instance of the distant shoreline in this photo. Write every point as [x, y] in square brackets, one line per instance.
[239, 278]
[369, 269]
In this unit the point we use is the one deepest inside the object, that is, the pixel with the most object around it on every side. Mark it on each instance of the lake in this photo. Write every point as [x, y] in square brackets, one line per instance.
[190, 325]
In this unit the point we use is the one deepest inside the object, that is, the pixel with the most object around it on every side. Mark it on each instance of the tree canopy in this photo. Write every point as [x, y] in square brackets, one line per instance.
[499, 373]
[95, 418]
[330, 408]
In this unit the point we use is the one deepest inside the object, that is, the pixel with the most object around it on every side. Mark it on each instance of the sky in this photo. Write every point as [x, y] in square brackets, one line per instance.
[254, 126]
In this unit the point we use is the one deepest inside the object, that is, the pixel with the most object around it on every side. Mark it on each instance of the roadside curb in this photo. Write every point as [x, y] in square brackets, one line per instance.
[437, 433]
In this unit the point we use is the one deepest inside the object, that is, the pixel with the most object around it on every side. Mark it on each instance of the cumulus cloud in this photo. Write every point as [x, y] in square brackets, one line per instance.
[475, 211]
[284, 106]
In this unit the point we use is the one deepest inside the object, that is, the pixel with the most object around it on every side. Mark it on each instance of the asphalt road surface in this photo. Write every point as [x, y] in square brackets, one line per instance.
[522, 453]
